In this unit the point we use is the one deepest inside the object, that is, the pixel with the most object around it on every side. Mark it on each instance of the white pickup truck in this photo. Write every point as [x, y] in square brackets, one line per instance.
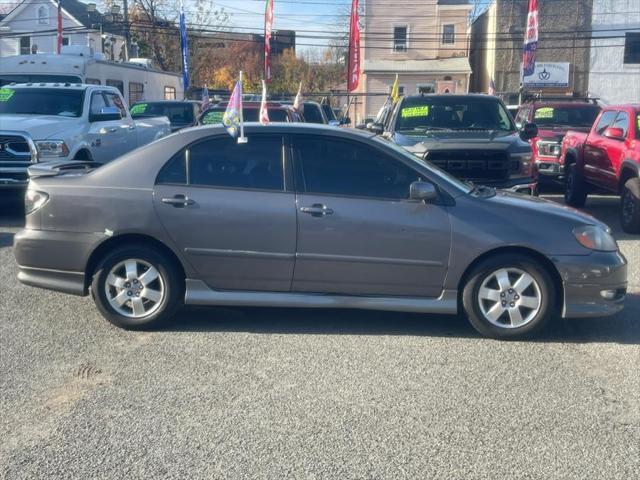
[61, 121]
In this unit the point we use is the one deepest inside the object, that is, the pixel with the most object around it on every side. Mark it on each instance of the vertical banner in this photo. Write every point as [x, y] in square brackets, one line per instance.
[492, 87]
[530, 40]
[185, 49]
[59, 39]
[268, 24]
[264, 111]
[353, 66]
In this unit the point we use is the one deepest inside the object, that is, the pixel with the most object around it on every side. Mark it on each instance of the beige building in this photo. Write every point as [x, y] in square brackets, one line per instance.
[426, 43]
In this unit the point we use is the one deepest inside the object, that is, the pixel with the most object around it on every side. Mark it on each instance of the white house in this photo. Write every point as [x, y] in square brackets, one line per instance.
[614, 73]
[30, 27]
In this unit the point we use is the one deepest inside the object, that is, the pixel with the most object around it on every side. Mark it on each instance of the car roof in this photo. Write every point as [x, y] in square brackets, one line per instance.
[562, 104]
[456, 96]
[284, 127]
[168, 102]
[61, 85]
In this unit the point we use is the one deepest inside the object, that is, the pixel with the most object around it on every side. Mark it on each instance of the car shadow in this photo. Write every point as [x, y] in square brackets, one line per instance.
[622, 328]
[11, 212]
[6, 239]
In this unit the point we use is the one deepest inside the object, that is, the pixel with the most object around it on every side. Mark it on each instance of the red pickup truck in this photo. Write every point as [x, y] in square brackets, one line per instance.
[607, 158]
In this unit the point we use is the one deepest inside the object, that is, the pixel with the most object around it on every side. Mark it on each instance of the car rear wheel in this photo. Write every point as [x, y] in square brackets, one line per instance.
[137, 288]
[575, 192]
[508, 296]
[630, 206]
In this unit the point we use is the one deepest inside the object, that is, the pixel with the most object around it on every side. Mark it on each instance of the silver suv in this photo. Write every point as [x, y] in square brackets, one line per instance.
[309, 216]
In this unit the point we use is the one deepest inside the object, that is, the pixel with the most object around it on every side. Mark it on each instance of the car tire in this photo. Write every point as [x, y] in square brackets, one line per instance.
[500, 307]
[575, 191]
[630, 206]
[137, 287]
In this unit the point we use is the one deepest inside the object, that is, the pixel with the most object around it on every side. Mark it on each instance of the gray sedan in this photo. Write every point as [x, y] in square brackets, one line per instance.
[309, 216]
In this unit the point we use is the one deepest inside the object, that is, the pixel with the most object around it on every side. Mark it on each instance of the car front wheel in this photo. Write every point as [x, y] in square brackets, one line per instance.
[575, 192]
[137, 287]
[508, 296]
[630, 206]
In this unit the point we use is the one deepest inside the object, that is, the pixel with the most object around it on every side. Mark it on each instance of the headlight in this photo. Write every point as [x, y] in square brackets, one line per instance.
[33, 200]
[52, 148]
[524, 159]
[595, 238]
[548, 149]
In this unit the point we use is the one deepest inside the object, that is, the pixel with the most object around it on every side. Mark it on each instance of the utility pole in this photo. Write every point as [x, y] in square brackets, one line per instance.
[127, 37]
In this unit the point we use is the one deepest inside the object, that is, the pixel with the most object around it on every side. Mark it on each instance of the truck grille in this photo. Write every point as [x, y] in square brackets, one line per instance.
[474, 164]
[15, 158]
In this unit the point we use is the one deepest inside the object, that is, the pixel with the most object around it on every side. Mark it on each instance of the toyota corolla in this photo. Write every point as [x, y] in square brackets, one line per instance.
[309, 216]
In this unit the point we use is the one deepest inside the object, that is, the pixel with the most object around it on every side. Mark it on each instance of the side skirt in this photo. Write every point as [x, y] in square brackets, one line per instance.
[198, 293]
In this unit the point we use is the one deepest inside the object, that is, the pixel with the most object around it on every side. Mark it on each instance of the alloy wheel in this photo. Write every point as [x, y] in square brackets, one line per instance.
[509, 298]
[134, 288]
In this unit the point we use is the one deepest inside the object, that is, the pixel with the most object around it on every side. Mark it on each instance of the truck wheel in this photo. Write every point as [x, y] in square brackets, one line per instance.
[136, 287]
[575, 192]
[509, 296]
[630, 206]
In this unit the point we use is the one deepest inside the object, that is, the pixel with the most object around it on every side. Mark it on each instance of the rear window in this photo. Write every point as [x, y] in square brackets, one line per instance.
[578, 116]
[176, 113]
[214, 115]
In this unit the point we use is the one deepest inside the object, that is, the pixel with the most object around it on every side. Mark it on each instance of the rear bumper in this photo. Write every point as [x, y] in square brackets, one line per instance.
[594, 285]
[58, 280]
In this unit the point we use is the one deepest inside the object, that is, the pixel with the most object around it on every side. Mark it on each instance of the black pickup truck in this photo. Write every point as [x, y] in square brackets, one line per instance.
[471, 136]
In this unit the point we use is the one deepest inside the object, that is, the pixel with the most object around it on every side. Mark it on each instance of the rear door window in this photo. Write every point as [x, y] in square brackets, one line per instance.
[222, 162]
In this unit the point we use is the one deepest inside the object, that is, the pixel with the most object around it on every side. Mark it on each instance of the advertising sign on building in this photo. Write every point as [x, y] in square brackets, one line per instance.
[548, 74]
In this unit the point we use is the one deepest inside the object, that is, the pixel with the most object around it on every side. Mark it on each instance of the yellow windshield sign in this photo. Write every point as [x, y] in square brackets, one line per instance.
[138, 109]
[6, 94]
[546, 112]
[638, 121]
[421, 111]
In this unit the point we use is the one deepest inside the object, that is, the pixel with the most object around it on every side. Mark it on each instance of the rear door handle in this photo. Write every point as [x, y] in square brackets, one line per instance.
[317, 210]
[178, 201]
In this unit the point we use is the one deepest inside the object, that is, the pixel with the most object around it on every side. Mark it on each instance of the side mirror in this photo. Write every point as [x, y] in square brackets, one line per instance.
[615, 133]
[376, 128]
[345, 121]
[529, 131]
[423, 191]
[106, 114]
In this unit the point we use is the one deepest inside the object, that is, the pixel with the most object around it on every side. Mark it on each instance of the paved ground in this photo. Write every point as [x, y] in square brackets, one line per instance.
[269, 393]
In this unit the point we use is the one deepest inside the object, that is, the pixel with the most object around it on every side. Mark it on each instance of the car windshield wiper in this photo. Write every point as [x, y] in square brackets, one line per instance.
[422, 129]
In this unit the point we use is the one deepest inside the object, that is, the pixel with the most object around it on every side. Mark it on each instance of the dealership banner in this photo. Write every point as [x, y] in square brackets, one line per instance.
[548, 74]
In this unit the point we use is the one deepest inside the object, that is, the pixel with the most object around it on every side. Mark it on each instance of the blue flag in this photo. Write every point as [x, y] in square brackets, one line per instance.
[185, 49]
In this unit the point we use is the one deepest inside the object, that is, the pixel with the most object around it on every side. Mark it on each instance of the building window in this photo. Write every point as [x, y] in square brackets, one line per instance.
[632, 47]
[448, 34]
[169, 93]
[25, 45]
[65, 41]
[43, 15]
[425, 88]
[136, 92]
[400, 39]
[116, 83]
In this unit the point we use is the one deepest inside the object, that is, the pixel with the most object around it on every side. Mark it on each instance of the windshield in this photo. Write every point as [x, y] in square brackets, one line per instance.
[41, 101]
[214, 115]
[329, 113]
[177, 113]
[6, 79]
[458, 184]
[571, 116]
[446, 112]
[312, 113]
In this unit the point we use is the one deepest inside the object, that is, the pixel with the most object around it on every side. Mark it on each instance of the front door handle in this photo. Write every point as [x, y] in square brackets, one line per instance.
[178, 201]
[317, 210]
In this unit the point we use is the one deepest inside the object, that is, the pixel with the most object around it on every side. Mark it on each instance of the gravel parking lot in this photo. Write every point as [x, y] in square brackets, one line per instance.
[273, 393]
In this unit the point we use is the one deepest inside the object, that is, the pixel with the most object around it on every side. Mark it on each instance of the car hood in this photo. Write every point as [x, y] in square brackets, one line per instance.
[518, 202]
[40, 127]
[467, 139]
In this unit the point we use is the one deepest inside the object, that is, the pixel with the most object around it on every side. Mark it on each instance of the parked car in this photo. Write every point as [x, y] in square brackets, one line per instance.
[309, 216]
[473, 137]
[181, 113]
[313, 113]
[606, 159]
[278, 112]
[554, 117]
[43, 122]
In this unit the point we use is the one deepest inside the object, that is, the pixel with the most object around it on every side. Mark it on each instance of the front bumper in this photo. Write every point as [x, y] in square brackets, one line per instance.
[586, 278]
[549, 169]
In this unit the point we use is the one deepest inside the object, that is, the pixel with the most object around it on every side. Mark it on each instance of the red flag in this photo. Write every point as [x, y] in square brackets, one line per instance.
[59, 26]
[353, 78]
[264, 111]
[530, 40]
[268, 23]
